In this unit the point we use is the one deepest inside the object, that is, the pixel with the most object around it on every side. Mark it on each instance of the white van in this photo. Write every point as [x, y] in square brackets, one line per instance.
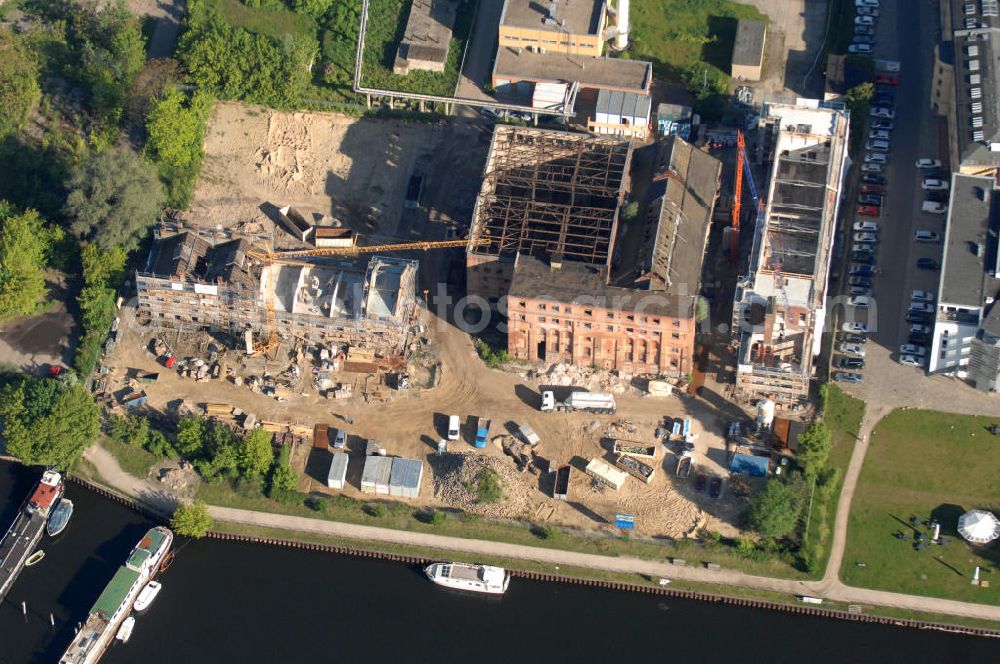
[881, 146]
[876, 157]
[934, 207]
[453, 431]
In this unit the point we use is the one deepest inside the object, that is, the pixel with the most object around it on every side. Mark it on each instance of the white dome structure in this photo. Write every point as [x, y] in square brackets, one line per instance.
[979, 526]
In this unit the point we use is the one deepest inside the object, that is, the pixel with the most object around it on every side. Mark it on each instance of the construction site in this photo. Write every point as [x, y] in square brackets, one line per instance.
[780, 305]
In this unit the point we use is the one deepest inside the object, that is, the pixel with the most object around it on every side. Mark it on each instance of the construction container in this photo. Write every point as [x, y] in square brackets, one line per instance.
[376, 474]
[606, 474]
[337, 476]
[561, 489]
[404, 480]
[321, 436]
[373, 447]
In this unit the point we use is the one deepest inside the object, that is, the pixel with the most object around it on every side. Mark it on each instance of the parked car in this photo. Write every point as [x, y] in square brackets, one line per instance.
[852, 349]
[340, 440]
[867, 10]
[842, 362]
[861, 301]
[866, 226]
[699, 483]
[872, 189]
[860, 281]
[879, 134]
[922, 296]
[862, 39]
[868, 211]
[934, 207]
[882, 112]
[864, 30]
[860, 49]
[936, 196]
[852, 337]
[866, 238]
[864, 20]
[881, 124]
[917, 328]
[927, 236]
[847, 377]
[857, 291]
[869, 199]
[918, 339]
[715, 487]
[864, 248]
[911, 361]
[876, 157]
[927, 264]
[886, 79]
[934, 184]
[453, 428]
[853, 326]
[927, 162]
[489, 113]
[922, 306]
[910, 349]
[866, 3]
[863, 270]
[865, 257]
[918, 317]
[871, 168]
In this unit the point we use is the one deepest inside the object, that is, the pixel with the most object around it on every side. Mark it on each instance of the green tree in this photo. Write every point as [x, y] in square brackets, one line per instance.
[314, 8]
[114, 198]
[256, 454]
[129, 429]
[190, 436]
[23, 245]
[176, 130]
[47, 422]
[775, 509]
[284, 479]
[102, 271]
[19, 91]
[192, 520]
[111, 55]
[814, 449]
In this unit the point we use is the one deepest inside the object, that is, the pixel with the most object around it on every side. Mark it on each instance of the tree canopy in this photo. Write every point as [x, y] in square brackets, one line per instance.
[814, 448]
[283, 477]
[47, 422]
[111, 54]
[176, 130]
[774, 510]
[114, 198]
[192, 520]
[19, 91]
[256, 454]
[23, 245]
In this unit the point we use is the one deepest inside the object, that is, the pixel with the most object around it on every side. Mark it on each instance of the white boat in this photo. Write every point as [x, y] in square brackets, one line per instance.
[125, 631]
[147, 595]
[473, 578]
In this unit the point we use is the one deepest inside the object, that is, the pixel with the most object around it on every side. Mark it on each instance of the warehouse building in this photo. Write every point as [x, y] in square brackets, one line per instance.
[748, 51]
[577, 289]
[427, 37]
[779, 308]
[965, 333]
[189, 284]
[624, 114]
[966, 84]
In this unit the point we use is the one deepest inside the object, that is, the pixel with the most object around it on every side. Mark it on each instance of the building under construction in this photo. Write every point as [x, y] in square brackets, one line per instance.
[190, 283]
[578, 288]
[780, 306]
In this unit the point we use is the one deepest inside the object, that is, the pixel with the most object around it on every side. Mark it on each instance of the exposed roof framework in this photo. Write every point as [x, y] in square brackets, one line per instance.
[551, 194]
[796, 210]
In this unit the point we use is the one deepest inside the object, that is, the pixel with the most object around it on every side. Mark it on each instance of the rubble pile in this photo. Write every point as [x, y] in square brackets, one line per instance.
[619, 429]
[455, 483]
[595, 380]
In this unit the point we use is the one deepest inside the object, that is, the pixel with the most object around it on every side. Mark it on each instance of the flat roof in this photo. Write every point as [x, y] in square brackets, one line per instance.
[428, 30]
[578, 17]
[976, 46]
[970, 242]
[598, 73]
[748, 47]
[115, 592]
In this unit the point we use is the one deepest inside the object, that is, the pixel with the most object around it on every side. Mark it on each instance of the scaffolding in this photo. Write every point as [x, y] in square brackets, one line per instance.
[550, 194]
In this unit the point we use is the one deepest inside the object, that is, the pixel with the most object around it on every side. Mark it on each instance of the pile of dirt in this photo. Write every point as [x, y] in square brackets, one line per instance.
[595, 380]
[620, 429]
[455, 482]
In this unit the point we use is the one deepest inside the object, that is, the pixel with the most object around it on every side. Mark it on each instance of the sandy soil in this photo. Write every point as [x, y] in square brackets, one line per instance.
[354, 170]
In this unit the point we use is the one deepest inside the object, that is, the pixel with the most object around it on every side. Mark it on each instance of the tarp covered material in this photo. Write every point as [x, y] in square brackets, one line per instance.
[746, 463]
[979, 526]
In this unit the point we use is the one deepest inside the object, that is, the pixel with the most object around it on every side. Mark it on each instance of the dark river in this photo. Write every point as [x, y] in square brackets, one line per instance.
[228, 602]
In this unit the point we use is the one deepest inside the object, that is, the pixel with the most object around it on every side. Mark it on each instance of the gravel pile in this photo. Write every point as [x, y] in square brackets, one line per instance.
[455, 483]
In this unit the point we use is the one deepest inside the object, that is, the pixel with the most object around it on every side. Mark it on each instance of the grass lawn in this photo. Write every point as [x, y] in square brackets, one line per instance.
[927, 464]
[269, 22]
[133, 460]
[405, 517]
[675, 34]
[842, 414]
[385, 28]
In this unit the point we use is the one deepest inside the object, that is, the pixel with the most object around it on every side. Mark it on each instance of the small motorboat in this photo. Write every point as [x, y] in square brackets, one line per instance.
[34, 558]
[465, 576]
[125, 631]
[147, 595]
[60, 517]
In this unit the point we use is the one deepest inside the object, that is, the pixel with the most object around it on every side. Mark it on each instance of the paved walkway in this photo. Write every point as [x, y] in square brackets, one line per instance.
[829, 587]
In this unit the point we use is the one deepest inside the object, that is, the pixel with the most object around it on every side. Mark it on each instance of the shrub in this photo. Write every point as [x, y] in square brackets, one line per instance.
[489, 487]
[544, 532]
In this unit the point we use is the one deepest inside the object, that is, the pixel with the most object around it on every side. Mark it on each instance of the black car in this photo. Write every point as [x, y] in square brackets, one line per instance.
[870, 199]
[715, 487]
[864, 282]
[936, 196]
[918, 317]
[699, 483]
[918, 339]
[872, 178]
[852, 337]
[849, 363]
[863, 39]
[927, 264]
[863, 257]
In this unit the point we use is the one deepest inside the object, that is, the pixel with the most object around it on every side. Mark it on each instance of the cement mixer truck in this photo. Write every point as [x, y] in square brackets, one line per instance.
[593, 402]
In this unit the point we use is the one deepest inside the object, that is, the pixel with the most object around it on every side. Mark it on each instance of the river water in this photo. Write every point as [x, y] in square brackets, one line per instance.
[230, 602]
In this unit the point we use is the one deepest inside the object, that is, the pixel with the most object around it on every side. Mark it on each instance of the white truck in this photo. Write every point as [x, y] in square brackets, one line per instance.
[594, 402]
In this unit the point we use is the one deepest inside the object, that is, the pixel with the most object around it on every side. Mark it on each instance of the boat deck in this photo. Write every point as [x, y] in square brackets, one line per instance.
[16, 546]
[462, 572]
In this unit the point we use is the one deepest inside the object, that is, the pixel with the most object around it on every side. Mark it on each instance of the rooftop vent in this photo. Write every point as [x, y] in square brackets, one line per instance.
[976, 93]
[976, 107]
[974, 79]
[990, 8]
[977, 121]
[973, 65]
[970, 23]
[970, 9]
[972, 50]
[978, 136]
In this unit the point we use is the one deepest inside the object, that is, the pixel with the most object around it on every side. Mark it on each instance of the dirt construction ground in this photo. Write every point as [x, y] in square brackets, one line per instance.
[355, 170]
[410, 424]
